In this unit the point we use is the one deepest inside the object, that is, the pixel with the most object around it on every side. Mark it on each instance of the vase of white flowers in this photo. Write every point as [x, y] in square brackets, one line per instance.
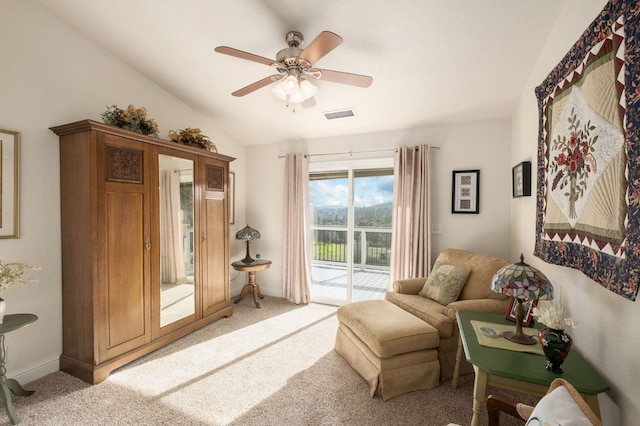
[11, 273]
[556, 343]
[3, 309]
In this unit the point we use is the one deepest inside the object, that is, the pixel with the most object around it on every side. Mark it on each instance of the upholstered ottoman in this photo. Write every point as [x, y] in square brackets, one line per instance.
[393, 350]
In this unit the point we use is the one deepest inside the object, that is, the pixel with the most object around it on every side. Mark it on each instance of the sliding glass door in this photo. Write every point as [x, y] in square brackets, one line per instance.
[351, 230]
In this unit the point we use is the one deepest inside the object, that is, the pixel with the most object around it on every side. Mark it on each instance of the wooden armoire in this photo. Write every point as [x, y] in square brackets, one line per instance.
[145, 244]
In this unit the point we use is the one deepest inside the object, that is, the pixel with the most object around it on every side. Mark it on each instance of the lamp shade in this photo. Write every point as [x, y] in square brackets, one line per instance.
[522, 282]
[308, 90]
[278, 90]
[247, 233]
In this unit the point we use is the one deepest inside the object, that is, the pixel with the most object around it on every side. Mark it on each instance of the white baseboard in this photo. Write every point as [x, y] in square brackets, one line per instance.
[271, 292]
[33, 373]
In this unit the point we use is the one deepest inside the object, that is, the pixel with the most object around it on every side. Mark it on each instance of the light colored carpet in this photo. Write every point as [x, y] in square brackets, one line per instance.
[177, 300]
[269, 366]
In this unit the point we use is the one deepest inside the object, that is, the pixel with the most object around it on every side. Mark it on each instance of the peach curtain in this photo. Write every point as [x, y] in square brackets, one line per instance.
[172, 266]
[296, 263]
[411, 223]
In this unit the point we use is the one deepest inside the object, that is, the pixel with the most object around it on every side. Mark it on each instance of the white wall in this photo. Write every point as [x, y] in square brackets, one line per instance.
[52, 76]
[606, 334]
[483, 145]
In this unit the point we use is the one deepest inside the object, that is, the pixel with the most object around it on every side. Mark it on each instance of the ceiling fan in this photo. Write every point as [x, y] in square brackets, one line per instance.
[295, 66]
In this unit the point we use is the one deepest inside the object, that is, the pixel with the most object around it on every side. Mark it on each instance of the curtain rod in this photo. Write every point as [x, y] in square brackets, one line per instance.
[354, 152]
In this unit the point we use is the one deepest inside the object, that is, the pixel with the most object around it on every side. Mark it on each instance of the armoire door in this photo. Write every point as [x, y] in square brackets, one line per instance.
[175, 277]
[124, 299]
[214, 239]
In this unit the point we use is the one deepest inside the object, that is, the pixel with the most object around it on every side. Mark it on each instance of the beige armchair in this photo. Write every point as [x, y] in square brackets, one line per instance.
[476, 295]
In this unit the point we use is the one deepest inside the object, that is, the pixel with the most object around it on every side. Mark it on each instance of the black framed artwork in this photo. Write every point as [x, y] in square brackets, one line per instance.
[521, 180]
[465, 197]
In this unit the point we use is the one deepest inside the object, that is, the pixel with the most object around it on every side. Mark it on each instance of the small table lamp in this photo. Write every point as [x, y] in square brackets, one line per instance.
[247, 233]
[523, 282]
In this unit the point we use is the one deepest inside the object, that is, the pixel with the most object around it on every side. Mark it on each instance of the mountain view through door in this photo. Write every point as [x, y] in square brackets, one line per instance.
[351, 234]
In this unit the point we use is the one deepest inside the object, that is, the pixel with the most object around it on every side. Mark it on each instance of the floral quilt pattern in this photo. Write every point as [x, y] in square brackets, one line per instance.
[588, 183]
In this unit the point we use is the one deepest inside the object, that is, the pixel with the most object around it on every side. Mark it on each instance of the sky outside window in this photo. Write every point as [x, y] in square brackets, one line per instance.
[369, 191]
[373, 196]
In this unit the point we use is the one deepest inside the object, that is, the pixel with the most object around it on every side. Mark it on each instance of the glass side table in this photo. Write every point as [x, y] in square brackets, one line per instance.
[12, 322]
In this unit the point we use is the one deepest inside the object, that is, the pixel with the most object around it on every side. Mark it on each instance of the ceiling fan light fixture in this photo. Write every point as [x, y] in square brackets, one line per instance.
[308, 90]
[296, 98]
[290, 85]
[294, 89]
[278, 90]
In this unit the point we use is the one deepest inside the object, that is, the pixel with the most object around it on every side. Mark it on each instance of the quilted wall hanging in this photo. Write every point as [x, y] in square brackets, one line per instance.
[588, 196]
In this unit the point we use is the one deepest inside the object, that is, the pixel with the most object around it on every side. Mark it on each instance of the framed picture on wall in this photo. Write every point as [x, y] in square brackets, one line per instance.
[9, 184]
[521, 179]
[232, 198]
[465, 197]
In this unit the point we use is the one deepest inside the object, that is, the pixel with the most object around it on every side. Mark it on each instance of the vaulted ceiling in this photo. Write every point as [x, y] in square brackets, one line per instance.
[432, 61]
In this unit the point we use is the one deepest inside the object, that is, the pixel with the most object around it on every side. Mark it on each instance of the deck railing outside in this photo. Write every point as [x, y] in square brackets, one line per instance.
[371, 246]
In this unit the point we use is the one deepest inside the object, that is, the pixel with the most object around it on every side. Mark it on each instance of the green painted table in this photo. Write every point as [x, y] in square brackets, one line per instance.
[519, 371]
[11, 323]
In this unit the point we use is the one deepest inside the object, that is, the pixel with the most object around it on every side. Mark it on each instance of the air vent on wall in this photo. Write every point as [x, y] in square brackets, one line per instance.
[343, 113]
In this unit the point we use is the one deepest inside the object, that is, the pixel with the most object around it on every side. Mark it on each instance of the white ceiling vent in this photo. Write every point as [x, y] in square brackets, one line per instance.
[343, 113]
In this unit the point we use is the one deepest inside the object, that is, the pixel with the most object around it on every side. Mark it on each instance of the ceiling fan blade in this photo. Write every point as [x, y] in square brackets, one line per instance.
[343, 77]
[257, 85]
[244, 55]
[309, 103]
[320, 46]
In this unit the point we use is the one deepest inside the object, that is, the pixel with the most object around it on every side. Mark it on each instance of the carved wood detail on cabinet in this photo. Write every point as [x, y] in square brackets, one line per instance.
[215, 178]
[125, 164]
[112, 286]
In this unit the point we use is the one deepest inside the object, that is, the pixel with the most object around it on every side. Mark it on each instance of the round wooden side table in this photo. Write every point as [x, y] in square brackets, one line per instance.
[252, 286]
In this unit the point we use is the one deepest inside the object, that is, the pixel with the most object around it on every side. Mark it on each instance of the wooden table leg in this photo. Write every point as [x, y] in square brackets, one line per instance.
[456, 369]
[255, 298]
[479, 395]
[246, 289]
[254, 290]
[253, 287]
[259, 292]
